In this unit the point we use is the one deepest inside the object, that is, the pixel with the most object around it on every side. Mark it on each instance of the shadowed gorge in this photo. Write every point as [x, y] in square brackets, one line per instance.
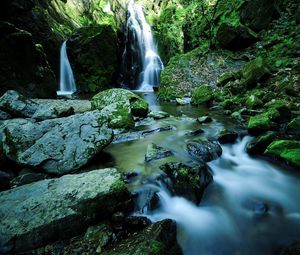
[138, 127]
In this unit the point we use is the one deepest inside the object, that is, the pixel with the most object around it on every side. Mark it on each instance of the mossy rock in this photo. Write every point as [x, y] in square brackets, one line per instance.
[286, 150]
[224, 78]
[259, 145]
[263, 122]
[254, 71]
[293, 128]
[282, 106]
[121, 106]
[235, 87]
[93, 54]
[202, 95]
[253, 102]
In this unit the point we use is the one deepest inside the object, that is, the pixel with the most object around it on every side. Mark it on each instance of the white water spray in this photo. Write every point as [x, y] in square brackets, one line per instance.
[249, 205]
[152, 64]
[67, 84]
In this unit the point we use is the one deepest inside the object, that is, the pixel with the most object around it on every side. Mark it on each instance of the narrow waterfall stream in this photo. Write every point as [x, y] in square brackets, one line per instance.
[251, 206]
[141, 51]
[67, 84]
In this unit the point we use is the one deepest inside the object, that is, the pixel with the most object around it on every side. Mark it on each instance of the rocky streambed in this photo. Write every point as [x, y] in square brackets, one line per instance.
[110, 176]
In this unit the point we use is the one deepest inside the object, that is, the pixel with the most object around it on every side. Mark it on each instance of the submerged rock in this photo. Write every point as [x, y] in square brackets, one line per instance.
[204, 150]
[155, 152]
[157, 115]
[204, 119]
[227, 136]
[286, 150]
[158, 238]
[183, 101]
[58, 146]
[36, 214]
[189, 182]
[125, 137]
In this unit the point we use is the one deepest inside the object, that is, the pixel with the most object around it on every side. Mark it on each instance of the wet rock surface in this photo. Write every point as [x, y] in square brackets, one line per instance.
[58, 208]
[188, 182]
[155, 152]
[58, 146]
[204, 150]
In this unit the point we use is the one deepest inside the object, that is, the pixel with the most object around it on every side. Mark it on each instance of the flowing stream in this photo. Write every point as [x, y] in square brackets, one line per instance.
[67, 84]
[251, 207]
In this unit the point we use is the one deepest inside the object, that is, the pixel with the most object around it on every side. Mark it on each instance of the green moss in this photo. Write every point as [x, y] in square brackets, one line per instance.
[261, 122]
[254, 71]
[293, 127]
[224, 78]
[202, 95]
[253, 102]
[285, 150]
[120, 117]
[156, 247]
[118, 186]
[183, 171]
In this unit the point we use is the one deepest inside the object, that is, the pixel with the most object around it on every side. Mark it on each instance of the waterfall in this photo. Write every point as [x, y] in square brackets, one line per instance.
[140, 58]
[67, 84]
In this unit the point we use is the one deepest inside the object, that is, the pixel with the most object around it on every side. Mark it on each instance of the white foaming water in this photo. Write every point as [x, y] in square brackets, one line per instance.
[67, 84]
[152, 64]
[250, 208]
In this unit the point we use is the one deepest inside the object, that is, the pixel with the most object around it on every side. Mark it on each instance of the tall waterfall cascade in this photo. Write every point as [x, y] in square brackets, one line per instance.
[67, 84]
[140, 51]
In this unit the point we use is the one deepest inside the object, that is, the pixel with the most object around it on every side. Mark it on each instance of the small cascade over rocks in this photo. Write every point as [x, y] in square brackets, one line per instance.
[67, 84]
[141, 64]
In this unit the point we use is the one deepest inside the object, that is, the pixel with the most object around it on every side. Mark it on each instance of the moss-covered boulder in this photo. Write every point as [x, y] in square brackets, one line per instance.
[93, 53]
[123, 106]
[253, 102]
[235, 37]
[226, 77]
[286, 150]
[255, 71]
[282, 106]
[263, 122]
[189, 182]
[202, 95]
[259, 145]
[293, 127]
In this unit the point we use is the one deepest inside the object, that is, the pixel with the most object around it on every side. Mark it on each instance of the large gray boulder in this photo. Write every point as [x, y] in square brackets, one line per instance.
[17, 105]
[59, 145]
[36, 214]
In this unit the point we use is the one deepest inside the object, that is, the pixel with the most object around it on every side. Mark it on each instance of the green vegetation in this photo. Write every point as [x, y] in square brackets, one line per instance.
[286, 150]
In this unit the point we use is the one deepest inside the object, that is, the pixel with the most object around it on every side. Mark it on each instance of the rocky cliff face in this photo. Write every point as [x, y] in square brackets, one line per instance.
[47, 23]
